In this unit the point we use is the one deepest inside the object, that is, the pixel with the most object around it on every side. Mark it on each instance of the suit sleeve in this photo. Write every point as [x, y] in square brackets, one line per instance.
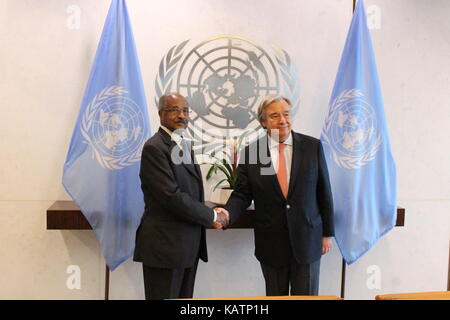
[242, 195]
[324, 196]
[157, 176]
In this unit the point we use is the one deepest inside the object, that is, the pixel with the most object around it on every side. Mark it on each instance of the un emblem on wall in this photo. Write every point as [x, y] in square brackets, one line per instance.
[224, 80]
[113, 125]
[351, 130]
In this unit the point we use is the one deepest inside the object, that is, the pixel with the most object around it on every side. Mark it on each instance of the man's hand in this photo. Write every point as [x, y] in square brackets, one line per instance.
[223, 218]
[327, 244]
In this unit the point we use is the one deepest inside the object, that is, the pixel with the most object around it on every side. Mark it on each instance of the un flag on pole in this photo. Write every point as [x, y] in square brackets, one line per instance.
[101, 172]
[357, 148]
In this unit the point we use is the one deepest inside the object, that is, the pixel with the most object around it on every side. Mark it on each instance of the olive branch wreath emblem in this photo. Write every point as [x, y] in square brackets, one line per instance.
[347, 162]
[107, 162]
[167, 68]
[289, 75]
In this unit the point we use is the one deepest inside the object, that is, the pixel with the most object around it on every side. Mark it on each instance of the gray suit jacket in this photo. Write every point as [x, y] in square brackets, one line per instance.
[172, 229]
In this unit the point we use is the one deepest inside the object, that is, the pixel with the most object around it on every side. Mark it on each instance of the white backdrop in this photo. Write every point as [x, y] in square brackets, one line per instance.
[45, 61]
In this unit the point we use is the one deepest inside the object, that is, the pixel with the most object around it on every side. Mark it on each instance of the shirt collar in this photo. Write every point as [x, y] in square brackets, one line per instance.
[274, 143]
[166, 130]
[174, 136]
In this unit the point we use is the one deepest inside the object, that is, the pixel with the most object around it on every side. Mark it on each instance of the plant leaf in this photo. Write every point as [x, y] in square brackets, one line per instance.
[210, 172]
[215, 187]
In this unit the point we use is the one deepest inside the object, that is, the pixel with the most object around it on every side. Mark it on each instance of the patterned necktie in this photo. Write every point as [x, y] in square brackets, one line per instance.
[282, 171]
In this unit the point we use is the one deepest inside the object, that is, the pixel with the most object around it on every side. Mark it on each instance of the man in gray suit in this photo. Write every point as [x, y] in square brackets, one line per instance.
[286, 175]
[171, 237]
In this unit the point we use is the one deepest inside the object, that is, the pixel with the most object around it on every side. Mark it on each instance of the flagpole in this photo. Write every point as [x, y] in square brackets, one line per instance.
[107, 283]
[343, 279]
[343, 261]
[448, 276]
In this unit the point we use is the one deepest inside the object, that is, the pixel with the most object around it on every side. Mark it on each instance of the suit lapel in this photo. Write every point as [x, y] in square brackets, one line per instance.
[269, 169]
[190, 167]
[296, 161]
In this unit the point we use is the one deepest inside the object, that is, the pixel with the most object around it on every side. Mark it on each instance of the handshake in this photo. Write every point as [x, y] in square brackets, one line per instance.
[222, 220]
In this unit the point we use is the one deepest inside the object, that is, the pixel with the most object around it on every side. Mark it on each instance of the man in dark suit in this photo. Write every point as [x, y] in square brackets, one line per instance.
[285, 173]
[171, 237]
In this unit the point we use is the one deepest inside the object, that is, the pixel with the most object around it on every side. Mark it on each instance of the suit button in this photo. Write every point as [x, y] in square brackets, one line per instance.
[288, 206]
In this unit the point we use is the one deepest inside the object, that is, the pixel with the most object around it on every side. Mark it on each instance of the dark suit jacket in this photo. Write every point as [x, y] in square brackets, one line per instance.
[285, 227]
[172, 229]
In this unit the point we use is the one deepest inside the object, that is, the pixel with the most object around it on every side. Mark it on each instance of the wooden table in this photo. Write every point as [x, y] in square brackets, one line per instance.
[65, 215]
[271, 298]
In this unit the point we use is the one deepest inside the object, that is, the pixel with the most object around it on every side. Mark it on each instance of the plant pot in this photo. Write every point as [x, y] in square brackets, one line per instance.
[221, 196]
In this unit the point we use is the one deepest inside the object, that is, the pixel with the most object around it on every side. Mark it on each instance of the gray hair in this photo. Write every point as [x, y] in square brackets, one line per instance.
[269, 99]
[162, 99]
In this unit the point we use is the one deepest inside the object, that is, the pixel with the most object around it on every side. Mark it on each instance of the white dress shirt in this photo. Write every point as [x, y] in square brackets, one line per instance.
[175, 137]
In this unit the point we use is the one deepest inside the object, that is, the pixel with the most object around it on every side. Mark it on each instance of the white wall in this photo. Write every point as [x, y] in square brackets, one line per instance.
[44, 67]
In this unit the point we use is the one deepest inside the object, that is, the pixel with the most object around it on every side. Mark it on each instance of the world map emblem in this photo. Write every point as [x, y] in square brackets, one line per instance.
[224, 80]
[351, 130]
[113, 125]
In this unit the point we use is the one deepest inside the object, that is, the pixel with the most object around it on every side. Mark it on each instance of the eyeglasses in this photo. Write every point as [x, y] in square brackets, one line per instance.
[277, 116]
[177, 110]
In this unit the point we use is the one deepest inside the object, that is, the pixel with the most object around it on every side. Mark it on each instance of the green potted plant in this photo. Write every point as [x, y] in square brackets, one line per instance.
[225, 162]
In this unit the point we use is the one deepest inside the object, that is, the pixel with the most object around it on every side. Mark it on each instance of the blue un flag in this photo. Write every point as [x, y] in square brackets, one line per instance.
[101, 172]
[357, 148]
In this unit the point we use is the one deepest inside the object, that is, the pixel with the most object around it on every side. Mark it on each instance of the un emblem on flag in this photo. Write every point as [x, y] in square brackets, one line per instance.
[224, 79]
[113, 125]
[351, 130]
